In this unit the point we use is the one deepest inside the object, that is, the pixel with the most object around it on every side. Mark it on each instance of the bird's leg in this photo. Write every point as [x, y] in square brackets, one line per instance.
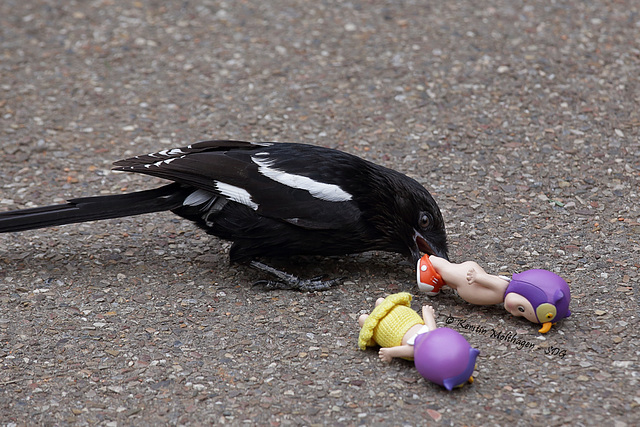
[291, 282]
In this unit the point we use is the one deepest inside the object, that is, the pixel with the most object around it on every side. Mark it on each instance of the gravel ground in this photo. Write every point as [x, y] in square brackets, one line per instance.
[520, 116]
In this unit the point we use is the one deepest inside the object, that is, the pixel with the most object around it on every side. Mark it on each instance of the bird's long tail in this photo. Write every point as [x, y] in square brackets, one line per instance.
[94, 208]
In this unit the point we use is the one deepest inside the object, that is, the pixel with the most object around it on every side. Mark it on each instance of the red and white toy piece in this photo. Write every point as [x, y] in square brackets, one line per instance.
[429, 281]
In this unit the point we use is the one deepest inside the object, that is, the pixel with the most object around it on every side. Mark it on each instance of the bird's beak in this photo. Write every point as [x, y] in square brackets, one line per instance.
[424, 246]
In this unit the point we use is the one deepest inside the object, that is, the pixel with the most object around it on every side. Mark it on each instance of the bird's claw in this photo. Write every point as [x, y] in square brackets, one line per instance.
[290, 282]
[298, 285]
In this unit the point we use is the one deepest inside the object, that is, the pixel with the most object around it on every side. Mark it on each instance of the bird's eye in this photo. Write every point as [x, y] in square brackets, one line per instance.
[424, 220]
[521, 309]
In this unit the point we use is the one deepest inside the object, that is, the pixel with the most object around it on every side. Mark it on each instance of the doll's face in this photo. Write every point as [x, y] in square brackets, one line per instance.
[519, 306]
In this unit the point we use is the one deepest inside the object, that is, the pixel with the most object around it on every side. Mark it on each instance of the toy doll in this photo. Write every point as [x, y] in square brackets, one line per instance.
[540, 296]
[441, 355]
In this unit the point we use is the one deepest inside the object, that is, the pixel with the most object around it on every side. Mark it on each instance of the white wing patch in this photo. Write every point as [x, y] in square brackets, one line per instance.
[320, 190]
[236, 194]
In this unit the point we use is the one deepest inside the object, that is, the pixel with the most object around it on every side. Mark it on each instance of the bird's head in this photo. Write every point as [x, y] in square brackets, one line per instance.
[417, 221]
[429, 235]
[422, 214]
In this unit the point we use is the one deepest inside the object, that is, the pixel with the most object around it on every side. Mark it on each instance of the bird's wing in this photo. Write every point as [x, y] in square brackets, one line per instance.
[293, 182]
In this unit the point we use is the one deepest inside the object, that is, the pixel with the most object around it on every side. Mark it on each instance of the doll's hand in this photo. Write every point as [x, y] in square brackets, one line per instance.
[429, 317]
[384, 355]
[471, 276]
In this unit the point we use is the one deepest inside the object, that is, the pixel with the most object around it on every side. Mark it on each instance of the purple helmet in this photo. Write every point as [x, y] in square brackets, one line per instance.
[444, 357]
[547, 292]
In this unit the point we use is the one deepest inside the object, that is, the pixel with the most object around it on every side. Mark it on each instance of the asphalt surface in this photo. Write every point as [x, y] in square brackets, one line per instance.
[521, 117]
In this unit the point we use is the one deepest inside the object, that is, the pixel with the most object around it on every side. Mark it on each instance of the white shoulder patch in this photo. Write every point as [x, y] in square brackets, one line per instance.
[236, 194]
[320, 190]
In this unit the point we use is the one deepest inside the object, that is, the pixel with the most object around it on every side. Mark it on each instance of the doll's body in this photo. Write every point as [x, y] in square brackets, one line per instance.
[540, 296]
[441, 355]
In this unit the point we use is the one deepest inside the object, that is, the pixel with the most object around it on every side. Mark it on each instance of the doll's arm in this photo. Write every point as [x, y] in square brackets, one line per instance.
[483, 288]
[388, 353]
[480, 277]
[428, 315]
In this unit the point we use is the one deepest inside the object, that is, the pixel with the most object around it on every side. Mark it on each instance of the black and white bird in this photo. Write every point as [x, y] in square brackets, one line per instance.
[270, 200]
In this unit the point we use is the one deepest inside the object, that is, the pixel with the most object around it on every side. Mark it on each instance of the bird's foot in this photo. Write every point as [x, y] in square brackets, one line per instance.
[291, 282]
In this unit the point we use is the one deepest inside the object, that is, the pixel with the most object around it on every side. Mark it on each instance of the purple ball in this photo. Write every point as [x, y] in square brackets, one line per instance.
[444, 357]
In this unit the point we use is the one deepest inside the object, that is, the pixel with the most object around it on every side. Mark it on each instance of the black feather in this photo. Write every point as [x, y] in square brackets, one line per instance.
[94, 208]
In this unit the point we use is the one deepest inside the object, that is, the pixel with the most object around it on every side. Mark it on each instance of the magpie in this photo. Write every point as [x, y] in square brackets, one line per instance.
[271, 200]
